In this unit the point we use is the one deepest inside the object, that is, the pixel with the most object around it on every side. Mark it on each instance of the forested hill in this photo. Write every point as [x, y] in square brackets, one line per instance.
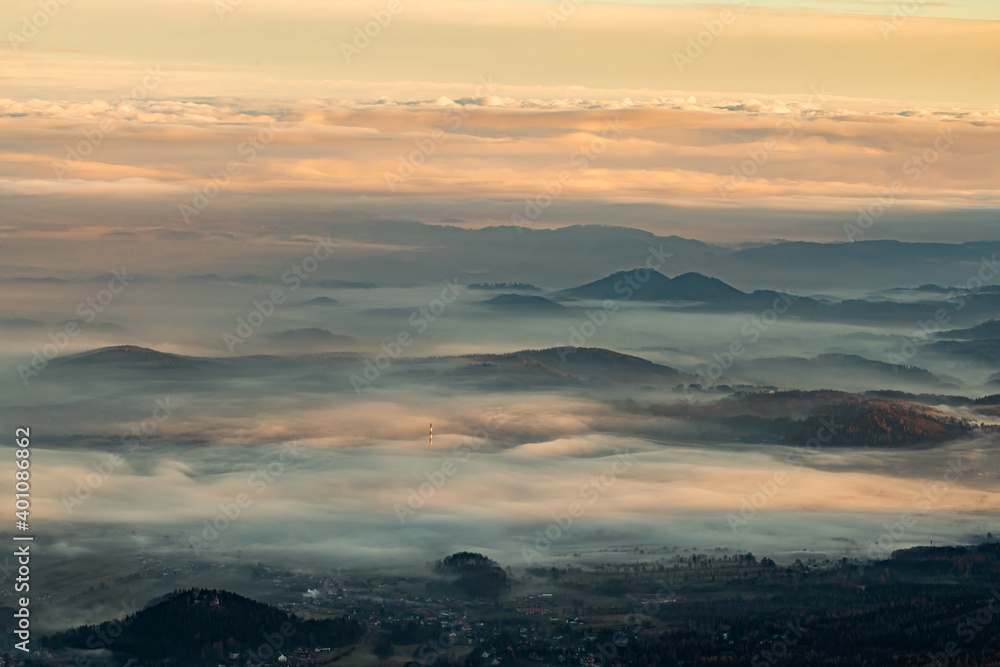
[199, 626]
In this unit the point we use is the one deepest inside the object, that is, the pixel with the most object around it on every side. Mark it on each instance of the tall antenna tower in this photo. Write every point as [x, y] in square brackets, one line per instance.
[431, 434]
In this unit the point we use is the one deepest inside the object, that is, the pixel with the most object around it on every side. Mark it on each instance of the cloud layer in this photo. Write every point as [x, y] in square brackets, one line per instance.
[682, 151]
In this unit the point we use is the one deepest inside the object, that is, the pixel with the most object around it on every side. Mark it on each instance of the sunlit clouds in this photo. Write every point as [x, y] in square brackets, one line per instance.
[686, 152]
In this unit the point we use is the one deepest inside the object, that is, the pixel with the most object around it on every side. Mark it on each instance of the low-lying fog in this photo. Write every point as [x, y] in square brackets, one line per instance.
[142, 456]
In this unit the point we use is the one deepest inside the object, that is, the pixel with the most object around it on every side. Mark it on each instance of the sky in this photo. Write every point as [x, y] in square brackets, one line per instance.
[818, 105]
[941, 53]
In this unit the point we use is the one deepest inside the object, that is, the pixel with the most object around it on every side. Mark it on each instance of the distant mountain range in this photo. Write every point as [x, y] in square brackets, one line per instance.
[527, 368]
[577, 253]
[988, 330]
[553, 256]
[565, 364]
[752, 412]
[986, 351]
[658, 287]
[706, 293]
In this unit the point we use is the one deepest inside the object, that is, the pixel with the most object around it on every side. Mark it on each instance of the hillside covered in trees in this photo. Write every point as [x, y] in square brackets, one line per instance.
[875, 419]
[473, 575]
[199, 627]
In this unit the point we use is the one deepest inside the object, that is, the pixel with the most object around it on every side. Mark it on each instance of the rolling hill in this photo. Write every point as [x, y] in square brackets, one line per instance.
[522, 302]
[201, 627]
[131, 356]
